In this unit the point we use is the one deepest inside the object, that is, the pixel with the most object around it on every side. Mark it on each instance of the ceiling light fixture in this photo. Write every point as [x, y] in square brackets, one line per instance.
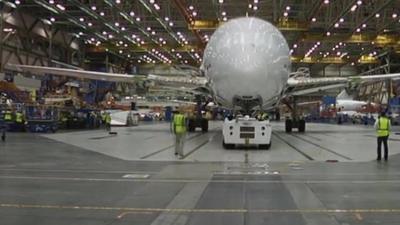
[60, 7]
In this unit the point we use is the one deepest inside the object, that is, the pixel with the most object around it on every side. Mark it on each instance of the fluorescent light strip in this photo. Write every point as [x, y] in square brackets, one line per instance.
[111, 27]
[89, 12]
[126, 17]
[130, 39]
[76, 23]
[100, 36]
[44, 5]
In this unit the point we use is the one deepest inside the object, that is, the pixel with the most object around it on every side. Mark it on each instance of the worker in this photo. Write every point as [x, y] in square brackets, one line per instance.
[261, 116]
[64, 120]
[108, 121]
[8, 116]
[103, 118]
[19, 121]
[92, 120]
[382, 126]
[179, 129]
[3, 126]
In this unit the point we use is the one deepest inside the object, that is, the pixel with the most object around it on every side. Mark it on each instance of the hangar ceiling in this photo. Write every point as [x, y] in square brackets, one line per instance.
[319, 32]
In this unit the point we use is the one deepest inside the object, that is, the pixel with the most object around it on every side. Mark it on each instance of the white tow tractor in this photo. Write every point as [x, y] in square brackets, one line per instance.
[246, 131]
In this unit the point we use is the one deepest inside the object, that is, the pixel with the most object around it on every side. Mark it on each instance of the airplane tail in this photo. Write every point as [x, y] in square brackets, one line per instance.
[344, 95]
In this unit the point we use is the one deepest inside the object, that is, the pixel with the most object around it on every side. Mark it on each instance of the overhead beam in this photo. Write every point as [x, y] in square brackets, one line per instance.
[143, 48]
[283, 25]
[365, 59]
[380, 40]
[182, 9]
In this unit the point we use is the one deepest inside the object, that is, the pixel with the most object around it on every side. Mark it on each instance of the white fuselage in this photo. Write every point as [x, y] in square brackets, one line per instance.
[349, 105]
[345, 105]
[247, 57]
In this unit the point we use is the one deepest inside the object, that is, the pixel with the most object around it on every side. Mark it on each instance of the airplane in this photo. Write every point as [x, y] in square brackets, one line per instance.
[246, 65]
[346, 103]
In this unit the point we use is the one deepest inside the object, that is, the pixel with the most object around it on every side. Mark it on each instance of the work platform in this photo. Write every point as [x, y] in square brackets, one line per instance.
[91, 177]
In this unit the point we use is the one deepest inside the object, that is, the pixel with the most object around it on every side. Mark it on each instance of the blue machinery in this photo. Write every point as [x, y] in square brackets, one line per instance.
[41, 118]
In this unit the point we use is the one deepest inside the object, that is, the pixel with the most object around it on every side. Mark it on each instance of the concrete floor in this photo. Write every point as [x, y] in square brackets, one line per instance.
[89, 177]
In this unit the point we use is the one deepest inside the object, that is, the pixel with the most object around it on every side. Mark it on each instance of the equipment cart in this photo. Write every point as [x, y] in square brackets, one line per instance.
[41, 118]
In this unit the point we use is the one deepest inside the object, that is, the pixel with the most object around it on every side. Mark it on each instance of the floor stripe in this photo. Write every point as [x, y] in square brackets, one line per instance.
[103, 137]
[199, 146]
[76, 171]
[170, 146]
[124, 214]
[312, 137]
[81, 179]
[151, 137]
[320, 146]
[154, 172]
[292, 146]
[156, 152]
[195, 149]
[186, 210]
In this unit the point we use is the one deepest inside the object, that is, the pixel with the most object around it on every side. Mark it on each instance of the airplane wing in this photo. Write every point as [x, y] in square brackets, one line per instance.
[79, 74]
[180, 81]
[194, 91]
[300, 82]
[307, 81]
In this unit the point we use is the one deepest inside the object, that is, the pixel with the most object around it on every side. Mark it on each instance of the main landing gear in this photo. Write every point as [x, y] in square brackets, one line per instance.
[295, 121]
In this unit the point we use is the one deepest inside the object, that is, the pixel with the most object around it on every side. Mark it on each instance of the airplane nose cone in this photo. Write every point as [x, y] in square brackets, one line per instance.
[246, 45]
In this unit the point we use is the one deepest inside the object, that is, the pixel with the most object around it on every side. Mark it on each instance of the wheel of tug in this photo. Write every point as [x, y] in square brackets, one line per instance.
[265, 147]
[191, 126]
[288, 125]
[302, 126]
[227, 146]
[204, 125]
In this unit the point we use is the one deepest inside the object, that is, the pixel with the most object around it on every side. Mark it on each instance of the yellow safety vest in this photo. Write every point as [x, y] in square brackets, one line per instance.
[179, 124]
[108, 119]
[383, 127]
[264, 116]
[18, 117]
[8, 116]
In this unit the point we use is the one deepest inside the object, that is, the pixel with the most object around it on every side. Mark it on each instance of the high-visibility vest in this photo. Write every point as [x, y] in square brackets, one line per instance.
[179, 124]
[264, 116]
[18, 117]
[8, 116]
[108, 119]
[383, 127]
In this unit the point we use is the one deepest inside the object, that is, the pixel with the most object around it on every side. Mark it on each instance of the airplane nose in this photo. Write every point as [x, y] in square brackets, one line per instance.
[248, 58]
[247, 45]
